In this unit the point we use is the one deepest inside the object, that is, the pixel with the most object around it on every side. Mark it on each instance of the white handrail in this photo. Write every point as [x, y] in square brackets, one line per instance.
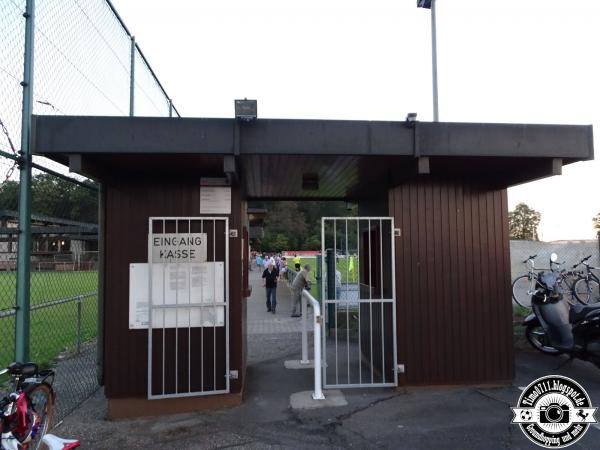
[318, 392]
[304, 359]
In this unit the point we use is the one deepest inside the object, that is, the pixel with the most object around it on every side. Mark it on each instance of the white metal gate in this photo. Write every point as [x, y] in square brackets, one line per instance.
[359, 302]
[188, 314]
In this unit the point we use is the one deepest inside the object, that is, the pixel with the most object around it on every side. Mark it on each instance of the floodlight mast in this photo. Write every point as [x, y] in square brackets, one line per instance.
[430, 4]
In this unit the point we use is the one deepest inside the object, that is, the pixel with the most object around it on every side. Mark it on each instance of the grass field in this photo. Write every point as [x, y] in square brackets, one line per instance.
[53, 329]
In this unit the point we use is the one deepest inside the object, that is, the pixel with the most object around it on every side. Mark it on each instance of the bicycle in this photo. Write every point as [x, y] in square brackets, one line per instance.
[586, 287]
[26, 414]
[524, 286]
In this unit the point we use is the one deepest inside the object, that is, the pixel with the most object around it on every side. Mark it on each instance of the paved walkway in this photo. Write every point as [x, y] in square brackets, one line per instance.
[443, 418]
[260, 321]
[272, 336]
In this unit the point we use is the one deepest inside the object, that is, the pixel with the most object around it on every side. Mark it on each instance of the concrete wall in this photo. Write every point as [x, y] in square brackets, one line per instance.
[569, 251]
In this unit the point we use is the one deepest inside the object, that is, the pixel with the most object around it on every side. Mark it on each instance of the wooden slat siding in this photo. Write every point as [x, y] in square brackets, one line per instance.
[463, 320]
[415, 281]
[129, 203]
[472, 315]
[430, 270]
[453, 283]
[494, 258]
[441, 214]
[507, 308]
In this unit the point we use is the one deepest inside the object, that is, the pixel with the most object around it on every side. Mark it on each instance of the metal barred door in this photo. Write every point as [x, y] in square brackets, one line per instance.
[359, 302]
[188, 315]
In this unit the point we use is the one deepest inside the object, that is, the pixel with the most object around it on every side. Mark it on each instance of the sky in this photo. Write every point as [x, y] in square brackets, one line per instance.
[507, 61]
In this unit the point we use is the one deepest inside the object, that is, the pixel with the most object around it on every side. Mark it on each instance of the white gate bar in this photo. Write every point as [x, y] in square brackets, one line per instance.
[381, 296]
[200, 307]
[317, 321]
[358, 269]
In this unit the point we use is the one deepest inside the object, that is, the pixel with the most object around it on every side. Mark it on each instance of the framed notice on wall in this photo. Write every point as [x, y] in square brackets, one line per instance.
[198, 284]
[215, 197]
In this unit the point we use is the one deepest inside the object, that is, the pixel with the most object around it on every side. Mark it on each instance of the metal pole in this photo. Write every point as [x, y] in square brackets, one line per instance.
[317, 321]
[132, 77]
[171, 115]
[436, 116]
[305, 359]
[24, 248]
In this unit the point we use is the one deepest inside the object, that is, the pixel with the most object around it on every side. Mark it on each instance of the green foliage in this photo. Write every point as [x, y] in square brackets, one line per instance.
[9, 195]
[54, 197]
[596, 222]
[299, 223]
[286, 219]
[523, 223]
[312, 242]
[280, 243]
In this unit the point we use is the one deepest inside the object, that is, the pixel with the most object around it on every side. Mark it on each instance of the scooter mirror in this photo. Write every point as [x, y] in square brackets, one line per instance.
[553, 257]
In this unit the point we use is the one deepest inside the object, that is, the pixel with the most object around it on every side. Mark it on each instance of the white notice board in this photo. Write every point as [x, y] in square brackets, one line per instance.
[215, 199]
[177, 284]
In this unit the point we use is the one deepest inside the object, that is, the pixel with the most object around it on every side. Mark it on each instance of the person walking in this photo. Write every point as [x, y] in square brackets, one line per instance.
[296, 260]
[259, 261]
[298, 285]
[270, 278]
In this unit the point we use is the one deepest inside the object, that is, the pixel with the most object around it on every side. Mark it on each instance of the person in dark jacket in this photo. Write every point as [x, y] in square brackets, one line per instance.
[270, 278]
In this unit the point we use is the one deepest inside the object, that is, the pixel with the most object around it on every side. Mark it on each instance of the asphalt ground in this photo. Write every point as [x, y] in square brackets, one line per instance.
[443, 418]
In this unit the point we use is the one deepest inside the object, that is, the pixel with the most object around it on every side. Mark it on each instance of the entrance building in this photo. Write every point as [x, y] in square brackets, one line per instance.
[429, 300]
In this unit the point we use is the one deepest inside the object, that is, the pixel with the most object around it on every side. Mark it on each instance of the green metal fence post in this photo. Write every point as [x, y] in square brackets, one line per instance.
[132, 78]
[24, 248]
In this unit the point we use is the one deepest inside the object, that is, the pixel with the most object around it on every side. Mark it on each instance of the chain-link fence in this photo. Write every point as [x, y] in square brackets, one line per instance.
[569, 253]
[86, 62]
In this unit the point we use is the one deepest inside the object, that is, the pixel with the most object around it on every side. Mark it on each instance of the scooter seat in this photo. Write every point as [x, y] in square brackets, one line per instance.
[579, 312]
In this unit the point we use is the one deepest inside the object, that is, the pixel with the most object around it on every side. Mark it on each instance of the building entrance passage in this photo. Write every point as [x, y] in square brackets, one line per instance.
[188, 317]
[359, 299]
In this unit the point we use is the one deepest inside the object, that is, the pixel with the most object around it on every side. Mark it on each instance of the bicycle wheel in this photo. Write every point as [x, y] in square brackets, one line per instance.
[586, 291]
[42, 402]
[522, 289]
[565, 286]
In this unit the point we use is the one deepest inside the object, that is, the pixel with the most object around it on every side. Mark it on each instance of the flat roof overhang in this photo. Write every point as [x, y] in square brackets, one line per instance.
[272, 157]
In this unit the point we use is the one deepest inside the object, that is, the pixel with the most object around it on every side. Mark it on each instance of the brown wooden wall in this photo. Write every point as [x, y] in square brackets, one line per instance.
[454, 313]
[128, 205]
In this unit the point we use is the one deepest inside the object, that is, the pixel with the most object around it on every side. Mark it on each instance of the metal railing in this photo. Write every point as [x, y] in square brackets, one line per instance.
[317, 321]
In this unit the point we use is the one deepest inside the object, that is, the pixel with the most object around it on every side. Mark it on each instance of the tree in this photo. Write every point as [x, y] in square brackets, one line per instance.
[9, 195]
[54, 197]
[284, 218]
[299, 222]
[596, 221]
[280, 243]
[523, 223]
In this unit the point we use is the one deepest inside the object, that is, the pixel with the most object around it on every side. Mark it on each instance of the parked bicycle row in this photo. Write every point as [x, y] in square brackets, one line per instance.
[578, 284]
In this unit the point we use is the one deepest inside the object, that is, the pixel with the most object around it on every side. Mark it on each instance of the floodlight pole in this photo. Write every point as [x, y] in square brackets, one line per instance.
[24, 246]
[132, 77]
[436, 116]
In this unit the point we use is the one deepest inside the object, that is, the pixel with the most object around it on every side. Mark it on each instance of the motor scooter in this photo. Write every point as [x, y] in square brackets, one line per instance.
[555, 327]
